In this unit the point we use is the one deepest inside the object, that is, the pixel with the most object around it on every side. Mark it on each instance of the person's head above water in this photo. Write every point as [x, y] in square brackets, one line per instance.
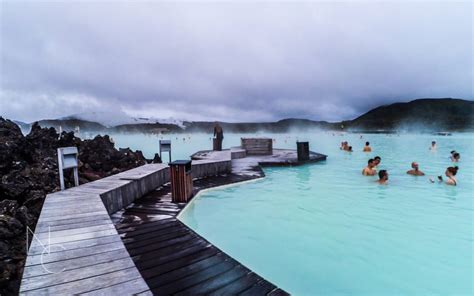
[451, 171]
[367, 143]
[414, 165]
[370, 163]
[433, 143]
[383, 175]
[350, 148]
[456, 156]
[377, 160]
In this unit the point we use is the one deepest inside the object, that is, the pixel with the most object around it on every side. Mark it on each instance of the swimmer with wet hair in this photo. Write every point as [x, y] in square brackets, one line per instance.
[450, 173]
[369, 170]
[367, 147]
[383, 177]
[377, 160]
[349, 149]
[433, 145]
[345, 146]
[455, 157]
[415, 171]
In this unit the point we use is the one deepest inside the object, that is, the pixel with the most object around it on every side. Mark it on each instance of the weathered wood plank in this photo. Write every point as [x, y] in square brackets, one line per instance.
[132, 287]
[74, 263]
[44, 227]
[216, 282]
[261, 288]
[72, 216]
[35, 259]
[36, 248]
[87, 284]
[66, 276]
[77, 230]
[237, 286]
[75, 237]
[194, 279]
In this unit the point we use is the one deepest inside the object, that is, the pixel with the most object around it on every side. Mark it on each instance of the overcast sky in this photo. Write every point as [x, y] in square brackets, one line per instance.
[230, 61]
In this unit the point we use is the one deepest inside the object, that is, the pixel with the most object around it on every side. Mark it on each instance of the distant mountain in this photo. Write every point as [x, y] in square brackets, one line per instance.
[25, 127]
[281, 126]
[418, 115]
[422, 114]
[111, 119]
[71, 124]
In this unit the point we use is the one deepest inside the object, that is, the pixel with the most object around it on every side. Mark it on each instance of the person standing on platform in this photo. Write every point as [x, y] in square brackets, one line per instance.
[218, 137]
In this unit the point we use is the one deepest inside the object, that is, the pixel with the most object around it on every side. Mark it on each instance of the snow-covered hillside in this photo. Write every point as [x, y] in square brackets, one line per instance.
[110, 119]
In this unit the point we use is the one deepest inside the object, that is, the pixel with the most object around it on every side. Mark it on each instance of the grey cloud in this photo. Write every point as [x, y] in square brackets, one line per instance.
[230, 61]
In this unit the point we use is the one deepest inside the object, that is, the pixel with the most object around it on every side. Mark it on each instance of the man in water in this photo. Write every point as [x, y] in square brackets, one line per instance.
[433, 145]
[218, 137]
[383, 177]
[367, 147]
[344, 145]
[369, 170]
[415, 171]
[377, 161]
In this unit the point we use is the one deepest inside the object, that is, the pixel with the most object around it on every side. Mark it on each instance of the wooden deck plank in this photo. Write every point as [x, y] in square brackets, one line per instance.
[237, 286]
[36, 248]
[44, 227]
[76, 237]
[74, 263]
[216, 282]
[171, 242]
[194, 279]
[67, 254]
[73, 216]
[74, 231]
[67, 276]
[185, 271]
[88, 284]
[151, 273]
[261, 288]
[131, 287]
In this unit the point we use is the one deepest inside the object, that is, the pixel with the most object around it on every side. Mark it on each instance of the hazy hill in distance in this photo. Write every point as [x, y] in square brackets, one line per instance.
[427, 115]
[421, 114]
[71, 123]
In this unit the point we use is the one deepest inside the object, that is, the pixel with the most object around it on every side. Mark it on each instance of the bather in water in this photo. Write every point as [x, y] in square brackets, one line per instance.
[377, 160]
[369, 170]
[450, 173]
[455, 156]
[415, 171]
[383, 177]
[367, 147]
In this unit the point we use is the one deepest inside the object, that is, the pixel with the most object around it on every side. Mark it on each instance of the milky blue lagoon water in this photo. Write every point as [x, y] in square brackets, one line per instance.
[326, 229]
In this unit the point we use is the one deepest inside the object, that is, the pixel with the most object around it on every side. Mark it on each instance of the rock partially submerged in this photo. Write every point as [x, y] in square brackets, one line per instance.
[28, 171]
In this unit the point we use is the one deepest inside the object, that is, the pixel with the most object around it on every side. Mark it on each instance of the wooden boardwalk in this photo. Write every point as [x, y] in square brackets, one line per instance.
[175, 260]
[77, 248]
